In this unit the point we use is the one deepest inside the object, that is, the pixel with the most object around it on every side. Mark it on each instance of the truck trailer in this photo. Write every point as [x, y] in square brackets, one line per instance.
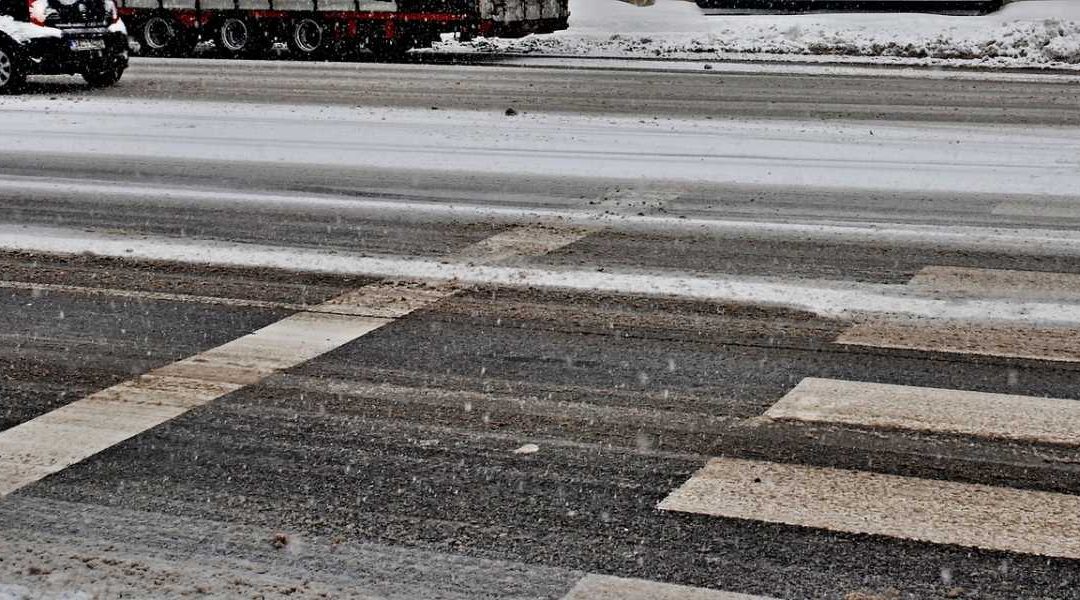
[318, 28]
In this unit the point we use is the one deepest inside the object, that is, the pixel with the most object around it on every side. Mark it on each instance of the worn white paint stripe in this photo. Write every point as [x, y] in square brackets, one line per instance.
[67, 435]
[606, 587]
[883, 406]
[519, 241]
[149, 295]
[1059, 344]
[1046, 209]
[385, 299]
[1033, 338]
[1001, 283]
[941, 512]
[830, 299]
[1019, 240]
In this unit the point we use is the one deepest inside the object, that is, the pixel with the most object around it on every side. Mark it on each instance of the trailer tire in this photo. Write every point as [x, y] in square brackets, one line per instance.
[12, 69]
[160, 35]
[235, 37]
[308, 38]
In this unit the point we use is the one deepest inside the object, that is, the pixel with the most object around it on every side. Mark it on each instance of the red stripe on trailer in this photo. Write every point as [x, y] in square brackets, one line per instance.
[187, 18]
[268, 14]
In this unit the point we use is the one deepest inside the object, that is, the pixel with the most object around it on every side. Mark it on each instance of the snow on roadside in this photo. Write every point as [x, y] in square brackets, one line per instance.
[830, 299]
[1036, 33]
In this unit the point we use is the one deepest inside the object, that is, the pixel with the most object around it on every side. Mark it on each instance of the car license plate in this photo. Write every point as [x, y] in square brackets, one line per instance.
[84, 45]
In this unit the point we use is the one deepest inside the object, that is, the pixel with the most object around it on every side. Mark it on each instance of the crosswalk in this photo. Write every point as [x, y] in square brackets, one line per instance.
[56, 440]
[928, 510]
[843, 500]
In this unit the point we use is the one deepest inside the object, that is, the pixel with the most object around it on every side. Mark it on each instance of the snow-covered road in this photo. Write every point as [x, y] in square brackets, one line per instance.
[850, 155]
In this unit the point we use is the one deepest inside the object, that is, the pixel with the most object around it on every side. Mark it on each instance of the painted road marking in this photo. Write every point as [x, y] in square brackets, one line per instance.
[386, 300]
[1000, 283]
[1060, 344]
[979, 414]
[71, 433]
[519, 242]
[153, 296]
[940, 512]
[373, 301]
[74, 432]
[605, 587]
[1034, 338]
[531, 210]
[829, 299]
[1052, 210]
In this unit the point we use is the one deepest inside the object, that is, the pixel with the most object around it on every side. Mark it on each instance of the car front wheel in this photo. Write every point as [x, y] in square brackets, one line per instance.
[12, 74]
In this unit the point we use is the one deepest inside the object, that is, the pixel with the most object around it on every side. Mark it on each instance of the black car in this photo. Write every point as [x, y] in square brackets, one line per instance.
[53, 37]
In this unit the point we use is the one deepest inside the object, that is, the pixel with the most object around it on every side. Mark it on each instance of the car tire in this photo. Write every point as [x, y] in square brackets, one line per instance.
[12, 71]
[104, 78]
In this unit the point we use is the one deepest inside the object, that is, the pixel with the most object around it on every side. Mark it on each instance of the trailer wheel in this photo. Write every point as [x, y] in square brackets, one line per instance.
[12, 73]
[161, 36]
[236, 38]
[308, 38]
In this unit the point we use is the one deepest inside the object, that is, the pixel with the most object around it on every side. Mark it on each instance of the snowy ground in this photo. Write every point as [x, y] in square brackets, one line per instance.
[915, 156]
[1037, 33]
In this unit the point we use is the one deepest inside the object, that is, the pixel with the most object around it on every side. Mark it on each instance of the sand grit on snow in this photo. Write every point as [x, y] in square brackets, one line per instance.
[1037, 33]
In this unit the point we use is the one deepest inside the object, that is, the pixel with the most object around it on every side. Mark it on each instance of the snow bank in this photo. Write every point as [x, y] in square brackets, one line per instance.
[1025, 34]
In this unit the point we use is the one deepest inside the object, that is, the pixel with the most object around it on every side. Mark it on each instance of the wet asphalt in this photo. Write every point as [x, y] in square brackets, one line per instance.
[387, 467]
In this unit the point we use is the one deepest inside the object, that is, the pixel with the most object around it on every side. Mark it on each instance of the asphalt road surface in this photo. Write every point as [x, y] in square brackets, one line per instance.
[281, 361]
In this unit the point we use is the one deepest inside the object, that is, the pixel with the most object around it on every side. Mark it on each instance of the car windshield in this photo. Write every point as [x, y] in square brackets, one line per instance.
[540, 299]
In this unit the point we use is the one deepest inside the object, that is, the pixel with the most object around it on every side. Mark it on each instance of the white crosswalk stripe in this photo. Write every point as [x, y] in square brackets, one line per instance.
[605, 587]
[877, 405]
[1058, 344]
[997, 283]
[1018, 339]
[942, 512]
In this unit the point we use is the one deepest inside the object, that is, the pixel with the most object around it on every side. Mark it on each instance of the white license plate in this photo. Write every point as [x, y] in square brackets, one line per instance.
[83, 45]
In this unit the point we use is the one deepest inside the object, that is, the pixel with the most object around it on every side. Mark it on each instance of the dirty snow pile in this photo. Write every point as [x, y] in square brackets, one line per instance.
[1037, 33]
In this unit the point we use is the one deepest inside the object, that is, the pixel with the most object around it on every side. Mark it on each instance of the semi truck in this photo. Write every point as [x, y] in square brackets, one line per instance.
[54, 37]
[314, 29]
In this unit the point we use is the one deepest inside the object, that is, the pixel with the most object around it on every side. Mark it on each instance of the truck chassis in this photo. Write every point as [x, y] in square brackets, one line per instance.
[315, 29]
